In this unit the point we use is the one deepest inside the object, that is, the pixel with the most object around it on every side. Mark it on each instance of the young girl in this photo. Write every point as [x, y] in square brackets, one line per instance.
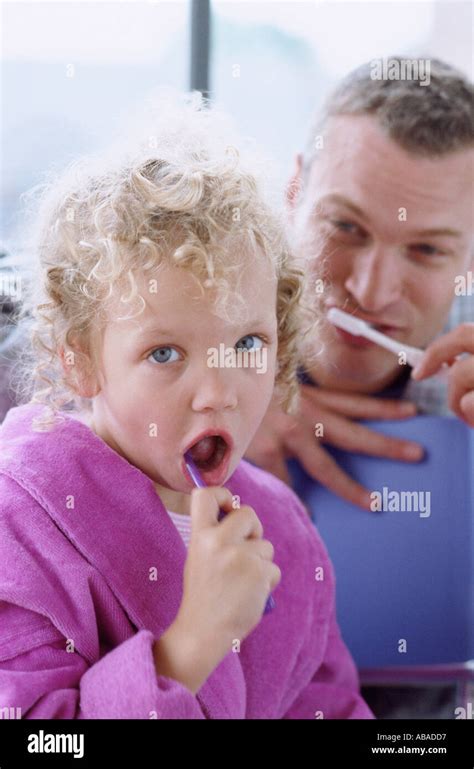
[165, 312]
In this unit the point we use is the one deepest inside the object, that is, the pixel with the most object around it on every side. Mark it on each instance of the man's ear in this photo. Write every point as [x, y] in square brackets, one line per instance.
[78, 372]
[294, 186]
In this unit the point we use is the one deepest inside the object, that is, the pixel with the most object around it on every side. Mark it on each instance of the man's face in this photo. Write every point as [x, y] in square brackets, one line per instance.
[389, 231]
[157, 392]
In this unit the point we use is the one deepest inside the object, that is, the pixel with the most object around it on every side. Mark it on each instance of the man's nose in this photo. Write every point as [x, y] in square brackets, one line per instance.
[375, 280]
[214, 389]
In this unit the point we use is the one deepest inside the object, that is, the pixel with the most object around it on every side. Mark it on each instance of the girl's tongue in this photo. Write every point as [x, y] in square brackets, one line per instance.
[203, 450]
[209, 452]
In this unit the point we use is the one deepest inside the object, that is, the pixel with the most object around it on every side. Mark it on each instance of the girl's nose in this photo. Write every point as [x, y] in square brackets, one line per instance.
[214, 390]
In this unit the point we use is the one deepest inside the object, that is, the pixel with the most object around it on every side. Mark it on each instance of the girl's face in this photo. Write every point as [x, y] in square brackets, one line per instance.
[161, 386]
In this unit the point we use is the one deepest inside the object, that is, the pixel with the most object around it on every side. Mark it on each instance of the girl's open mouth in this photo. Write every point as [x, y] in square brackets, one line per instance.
[211, 454]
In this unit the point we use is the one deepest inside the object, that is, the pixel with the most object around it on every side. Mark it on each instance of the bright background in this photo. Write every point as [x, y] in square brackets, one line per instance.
[72, 70]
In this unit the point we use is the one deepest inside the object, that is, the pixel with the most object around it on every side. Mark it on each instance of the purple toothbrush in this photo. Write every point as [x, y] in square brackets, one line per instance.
[199, 482]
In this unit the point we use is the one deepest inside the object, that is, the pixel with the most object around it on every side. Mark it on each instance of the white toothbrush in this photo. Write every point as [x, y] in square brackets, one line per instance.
[359, 327]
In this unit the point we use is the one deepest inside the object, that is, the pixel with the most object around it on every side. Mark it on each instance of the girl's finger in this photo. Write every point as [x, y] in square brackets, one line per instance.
[205, 506]
[262, 548]
[244, 523]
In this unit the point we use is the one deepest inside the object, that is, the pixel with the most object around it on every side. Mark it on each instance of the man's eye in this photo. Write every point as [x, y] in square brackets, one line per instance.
[247, 342]
[425, 248]
[348, 228]
[164, 355]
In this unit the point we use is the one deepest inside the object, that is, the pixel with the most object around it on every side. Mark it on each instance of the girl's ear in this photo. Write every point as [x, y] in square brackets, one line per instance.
[79, 372]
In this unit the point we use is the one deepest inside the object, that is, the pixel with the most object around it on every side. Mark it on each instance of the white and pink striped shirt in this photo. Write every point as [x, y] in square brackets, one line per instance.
[183, 524]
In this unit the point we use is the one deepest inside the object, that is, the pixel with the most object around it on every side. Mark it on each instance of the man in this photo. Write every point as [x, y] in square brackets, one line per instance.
[380, 213]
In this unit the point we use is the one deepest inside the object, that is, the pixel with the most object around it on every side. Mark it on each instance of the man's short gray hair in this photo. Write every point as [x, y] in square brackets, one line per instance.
[426, 119]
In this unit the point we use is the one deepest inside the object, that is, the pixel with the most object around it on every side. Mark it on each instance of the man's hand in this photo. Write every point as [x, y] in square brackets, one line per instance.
[461, 373]
[331, 413]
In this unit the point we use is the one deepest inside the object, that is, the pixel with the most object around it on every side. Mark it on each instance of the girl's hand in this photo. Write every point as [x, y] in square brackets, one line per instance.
[461, 373]
[228, 575]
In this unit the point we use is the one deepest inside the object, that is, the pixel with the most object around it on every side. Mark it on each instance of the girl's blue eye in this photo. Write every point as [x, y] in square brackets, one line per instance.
[246, 342]
[163, 355]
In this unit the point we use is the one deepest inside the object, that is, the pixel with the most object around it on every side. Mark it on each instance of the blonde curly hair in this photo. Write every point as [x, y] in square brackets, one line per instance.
[111, 216]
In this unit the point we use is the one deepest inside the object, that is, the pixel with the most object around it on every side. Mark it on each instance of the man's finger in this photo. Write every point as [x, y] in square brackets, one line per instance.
[466, 407]
[323, 469]
[354, 437]
[269, 455]
[461, 382]
[444, 350]
[359, 406]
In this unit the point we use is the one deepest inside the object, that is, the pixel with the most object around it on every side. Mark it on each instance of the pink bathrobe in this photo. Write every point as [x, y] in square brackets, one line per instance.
[82, 530]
